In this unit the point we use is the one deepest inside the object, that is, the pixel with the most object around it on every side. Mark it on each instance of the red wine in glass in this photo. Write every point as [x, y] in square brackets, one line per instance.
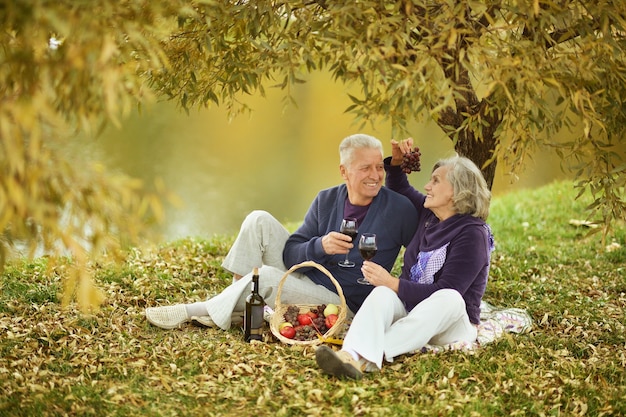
[348, 227]
[367, 253]
[367, 248]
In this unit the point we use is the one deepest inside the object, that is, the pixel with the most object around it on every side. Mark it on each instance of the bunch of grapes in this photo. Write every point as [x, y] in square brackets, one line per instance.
[305, 333]
[411, 161]
[309, 331]
[291, 315]
[320, 323]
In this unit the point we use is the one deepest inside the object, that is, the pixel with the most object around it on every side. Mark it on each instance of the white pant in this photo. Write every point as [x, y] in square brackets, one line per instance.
[260, 244]
[382, 326]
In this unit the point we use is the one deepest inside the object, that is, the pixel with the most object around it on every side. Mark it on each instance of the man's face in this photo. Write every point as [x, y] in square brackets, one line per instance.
[364, 176]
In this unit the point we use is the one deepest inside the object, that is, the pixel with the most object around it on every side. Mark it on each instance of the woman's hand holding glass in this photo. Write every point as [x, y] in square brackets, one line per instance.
[378, 276]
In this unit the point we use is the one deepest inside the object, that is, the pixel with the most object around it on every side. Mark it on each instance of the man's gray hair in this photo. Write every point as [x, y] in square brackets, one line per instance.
[357, 141]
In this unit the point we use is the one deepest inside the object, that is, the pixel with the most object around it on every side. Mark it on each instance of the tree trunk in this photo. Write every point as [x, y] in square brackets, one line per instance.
[477, 145]
[480, 151]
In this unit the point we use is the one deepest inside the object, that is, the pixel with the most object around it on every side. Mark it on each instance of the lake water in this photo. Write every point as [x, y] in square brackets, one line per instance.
[276, 159]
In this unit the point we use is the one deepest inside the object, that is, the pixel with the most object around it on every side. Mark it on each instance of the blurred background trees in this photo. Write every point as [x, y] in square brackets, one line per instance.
[500, 78]
[65, 67]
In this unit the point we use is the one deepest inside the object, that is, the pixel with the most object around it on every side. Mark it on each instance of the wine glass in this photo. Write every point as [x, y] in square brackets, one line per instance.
[348, 227]
[367, 248]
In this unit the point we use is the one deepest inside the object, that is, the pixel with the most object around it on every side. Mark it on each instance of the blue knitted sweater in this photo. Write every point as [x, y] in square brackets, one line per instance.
[391, 216]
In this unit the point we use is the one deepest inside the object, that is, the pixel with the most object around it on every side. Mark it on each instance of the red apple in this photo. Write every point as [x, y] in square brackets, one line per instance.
[304, 319]
[331, 319]
[311, 314]
[288, 331]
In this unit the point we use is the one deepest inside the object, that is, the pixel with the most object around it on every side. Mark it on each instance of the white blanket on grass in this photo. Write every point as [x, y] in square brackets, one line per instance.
[494, 323]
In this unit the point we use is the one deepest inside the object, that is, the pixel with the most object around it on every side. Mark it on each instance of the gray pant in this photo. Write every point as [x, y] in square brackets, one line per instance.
[260, 244]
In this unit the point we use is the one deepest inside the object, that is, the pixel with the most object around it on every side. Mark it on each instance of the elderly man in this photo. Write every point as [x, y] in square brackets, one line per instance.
[263, 242]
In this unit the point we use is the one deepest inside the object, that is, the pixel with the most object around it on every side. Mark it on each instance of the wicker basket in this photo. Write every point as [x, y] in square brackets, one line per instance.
[280, 308]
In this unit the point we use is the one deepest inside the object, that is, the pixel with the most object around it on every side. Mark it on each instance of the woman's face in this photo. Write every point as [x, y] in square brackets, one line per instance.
[439, 194]
[364, 175]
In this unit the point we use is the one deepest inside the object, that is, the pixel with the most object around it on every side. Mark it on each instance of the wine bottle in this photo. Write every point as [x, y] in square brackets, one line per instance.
[253, 319]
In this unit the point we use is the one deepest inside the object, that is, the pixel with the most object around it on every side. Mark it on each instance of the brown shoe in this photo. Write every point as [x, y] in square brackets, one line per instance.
[340, 364]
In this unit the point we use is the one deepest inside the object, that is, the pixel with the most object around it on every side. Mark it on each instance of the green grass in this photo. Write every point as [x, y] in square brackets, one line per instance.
[54, 361]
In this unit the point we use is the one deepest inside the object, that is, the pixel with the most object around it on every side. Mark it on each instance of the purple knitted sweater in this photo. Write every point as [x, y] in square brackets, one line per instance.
[466, 265]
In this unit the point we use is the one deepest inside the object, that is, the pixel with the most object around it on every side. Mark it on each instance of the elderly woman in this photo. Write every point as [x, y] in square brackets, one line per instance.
[437, 297]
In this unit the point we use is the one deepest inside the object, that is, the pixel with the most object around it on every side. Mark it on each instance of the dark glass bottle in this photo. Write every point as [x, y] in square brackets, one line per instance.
[253, 319]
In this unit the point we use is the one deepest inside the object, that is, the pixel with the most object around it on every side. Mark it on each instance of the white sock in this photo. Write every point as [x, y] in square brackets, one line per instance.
[369, 366]
[197, 309]
[352, 353]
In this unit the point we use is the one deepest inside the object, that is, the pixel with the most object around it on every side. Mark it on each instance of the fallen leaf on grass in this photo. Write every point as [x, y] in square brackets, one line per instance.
[586, 223]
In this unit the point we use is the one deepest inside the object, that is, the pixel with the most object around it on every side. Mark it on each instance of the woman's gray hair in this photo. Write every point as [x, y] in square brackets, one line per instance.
[357, 141]
[471, 193]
